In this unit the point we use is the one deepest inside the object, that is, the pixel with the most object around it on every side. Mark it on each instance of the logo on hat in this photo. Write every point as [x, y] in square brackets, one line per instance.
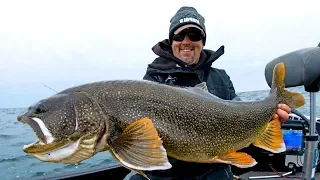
[190, 19]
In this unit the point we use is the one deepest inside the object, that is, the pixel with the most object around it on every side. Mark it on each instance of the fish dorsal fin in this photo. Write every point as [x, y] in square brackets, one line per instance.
[202, 85]
[140, 148]
[271, 139]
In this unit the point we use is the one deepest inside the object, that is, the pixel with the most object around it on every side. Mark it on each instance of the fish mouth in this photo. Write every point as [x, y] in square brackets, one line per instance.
[49, 149]
[39, 128]
[68, 152]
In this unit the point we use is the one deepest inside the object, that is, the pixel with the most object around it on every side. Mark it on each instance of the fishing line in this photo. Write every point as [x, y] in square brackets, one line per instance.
[24, 109]
[49, 87]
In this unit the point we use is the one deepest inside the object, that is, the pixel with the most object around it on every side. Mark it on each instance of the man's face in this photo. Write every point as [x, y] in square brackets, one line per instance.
[187, 45]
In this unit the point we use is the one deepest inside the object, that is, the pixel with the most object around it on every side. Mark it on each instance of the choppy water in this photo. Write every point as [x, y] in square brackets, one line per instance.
[15, 164]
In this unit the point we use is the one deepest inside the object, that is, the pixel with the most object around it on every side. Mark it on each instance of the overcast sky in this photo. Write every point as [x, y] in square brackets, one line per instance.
[66, 43]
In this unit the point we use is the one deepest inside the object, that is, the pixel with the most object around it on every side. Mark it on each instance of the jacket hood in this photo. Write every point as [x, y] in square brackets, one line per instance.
[167, 60]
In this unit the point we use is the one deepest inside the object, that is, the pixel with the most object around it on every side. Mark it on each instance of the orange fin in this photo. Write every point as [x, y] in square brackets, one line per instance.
[140, 148]
[292, 99]
[239, 159]
[271, 139]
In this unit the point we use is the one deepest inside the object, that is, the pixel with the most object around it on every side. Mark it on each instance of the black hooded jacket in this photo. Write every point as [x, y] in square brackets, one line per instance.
[171, 70]
[168, 69]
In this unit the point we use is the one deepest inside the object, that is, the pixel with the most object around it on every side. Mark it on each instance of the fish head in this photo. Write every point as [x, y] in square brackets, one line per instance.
[69, 127]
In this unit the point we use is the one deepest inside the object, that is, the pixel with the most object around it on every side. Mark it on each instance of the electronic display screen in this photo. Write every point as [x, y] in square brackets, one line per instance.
[293, 140]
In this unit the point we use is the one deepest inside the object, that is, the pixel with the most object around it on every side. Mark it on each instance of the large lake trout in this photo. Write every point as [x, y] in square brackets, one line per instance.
[143, 122]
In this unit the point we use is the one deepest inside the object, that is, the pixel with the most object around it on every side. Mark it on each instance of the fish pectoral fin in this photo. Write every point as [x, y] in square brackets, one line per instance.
[271, 139]
[139, 147]
[238, 159]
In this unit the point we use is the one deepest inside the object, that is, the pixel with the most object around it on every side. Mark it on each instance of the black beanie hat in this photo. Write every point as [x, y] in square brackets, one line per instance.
[186, 15]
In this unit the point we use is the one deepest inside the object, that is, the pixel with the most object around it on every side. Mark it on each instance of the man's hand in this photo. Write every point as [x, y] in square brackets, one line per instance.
[282, 112]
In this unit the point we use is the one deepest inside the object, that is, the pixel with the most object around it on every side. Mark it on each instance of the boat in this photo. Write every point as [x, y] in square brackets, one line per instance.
[302, 70]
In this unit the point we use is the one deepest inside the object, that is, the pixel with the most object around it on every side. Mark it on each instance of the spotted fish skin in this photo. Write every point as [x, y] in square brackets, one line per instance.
[193, 127]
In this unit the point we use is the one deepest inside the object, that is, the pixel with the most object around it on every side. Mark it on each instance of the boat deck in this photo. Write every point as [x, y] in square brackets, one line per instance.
[253, 174]
[117, 172]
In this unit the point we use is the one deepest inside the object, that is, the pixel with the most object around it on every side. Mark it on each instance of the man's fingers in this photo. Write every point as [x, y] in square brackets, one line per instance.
[284, 107]
[282, 115]
[275, 117]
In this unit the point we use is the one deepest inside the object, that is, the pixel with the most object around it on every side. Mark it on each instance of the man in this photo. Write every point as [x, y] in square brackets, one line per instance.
[183, 61]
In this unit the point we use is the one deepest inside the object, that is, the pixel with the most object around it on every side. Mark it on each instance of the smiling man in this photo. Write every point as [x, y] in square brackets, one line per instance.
[184, 61]
[187, 43]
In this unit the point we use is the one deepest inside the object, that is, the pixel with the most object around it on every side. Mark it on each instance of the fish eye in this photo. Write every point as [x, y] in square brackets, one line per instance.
[40, 109]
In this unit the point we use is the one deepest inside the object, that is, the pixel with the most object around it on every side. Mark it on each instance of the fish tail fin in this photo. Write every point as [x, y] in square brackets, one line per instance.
[271, 139]
[292, 99]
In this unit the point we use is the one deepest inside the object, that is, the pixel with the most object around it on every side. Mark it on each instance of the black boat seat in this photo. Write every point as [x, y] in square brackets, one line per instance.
[302, 68]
